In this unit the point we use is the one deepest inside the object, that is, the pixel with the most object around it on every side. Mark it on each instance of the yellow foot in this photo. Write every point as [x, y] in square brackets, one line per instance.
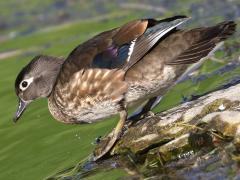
[107, 143]
[104, 146]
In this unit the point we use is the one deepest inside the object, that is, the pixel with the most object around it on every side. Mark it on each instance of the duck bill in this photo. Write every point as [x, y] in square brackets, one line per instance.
[22, 105]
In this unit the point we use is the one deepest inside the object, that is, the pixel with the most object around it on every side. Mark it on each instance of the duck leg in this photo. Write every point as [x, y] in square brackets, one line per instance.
[145, 109]
[107, 142]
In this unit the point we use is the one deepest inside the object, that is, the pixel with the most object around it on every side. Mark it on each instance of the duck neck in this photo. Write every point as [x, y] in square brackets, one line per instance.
[53, 75]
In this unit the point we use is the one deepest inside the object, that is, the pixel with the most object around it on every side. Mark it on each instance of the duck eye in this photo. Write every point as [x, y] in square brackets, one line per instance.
[24, 84]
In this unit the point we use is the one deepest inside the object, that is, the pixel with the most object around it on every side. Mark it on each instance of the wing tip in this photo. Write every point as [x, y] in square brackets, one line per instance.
[173, 18]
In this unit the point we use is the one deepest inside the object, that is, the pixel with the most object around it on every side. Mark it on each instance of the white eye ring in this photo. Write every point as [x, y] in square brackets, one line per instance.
[25, 83]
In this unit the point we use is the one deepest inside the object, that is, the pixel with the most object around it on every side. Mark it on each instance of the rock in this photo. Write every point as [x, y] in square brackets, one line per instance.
[189, 132]
[216, 109]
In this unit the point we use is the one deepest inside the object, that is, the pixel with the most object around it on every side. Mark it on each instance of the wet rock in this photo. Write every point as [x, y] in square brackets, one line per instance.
[186, 133]
[166, 126]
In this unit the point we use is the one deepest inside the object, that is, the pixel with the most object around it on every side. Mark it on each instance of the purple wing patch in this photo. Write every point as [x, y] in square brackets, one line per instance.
[113, 56]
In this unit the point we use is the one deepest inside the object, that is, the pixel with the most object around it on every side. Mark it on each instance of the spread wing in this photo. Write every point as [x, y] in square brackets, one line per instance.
[118, 48]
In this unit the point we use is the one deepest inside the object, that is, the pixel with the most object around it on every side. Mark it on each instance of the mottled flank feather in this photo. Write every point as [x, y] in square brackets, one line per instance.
[97, 84]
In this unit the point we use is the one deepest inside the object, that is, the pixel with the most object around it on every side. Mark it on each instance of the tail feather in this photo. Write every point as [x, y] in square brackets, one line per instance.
[204, 41]
[222, 30]
[228, 28]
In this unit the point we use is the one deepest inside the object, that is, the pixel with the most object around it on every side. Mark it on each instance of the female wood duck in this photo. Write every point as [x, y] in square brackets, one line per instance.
[103, 76]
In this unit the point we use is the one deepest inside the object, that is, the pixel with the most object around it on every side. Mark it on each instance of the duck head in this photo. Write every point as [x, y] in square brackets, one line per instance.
[36, 80]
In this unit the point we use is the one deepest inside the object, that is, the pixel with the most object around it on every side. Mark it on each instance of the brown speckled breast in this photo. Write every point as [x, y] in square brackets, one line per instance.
[89, 96]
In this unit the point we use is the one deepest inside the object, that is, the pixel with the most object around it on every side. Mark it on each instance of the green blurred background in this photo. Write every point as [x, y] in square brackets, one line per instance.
[38, 146]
